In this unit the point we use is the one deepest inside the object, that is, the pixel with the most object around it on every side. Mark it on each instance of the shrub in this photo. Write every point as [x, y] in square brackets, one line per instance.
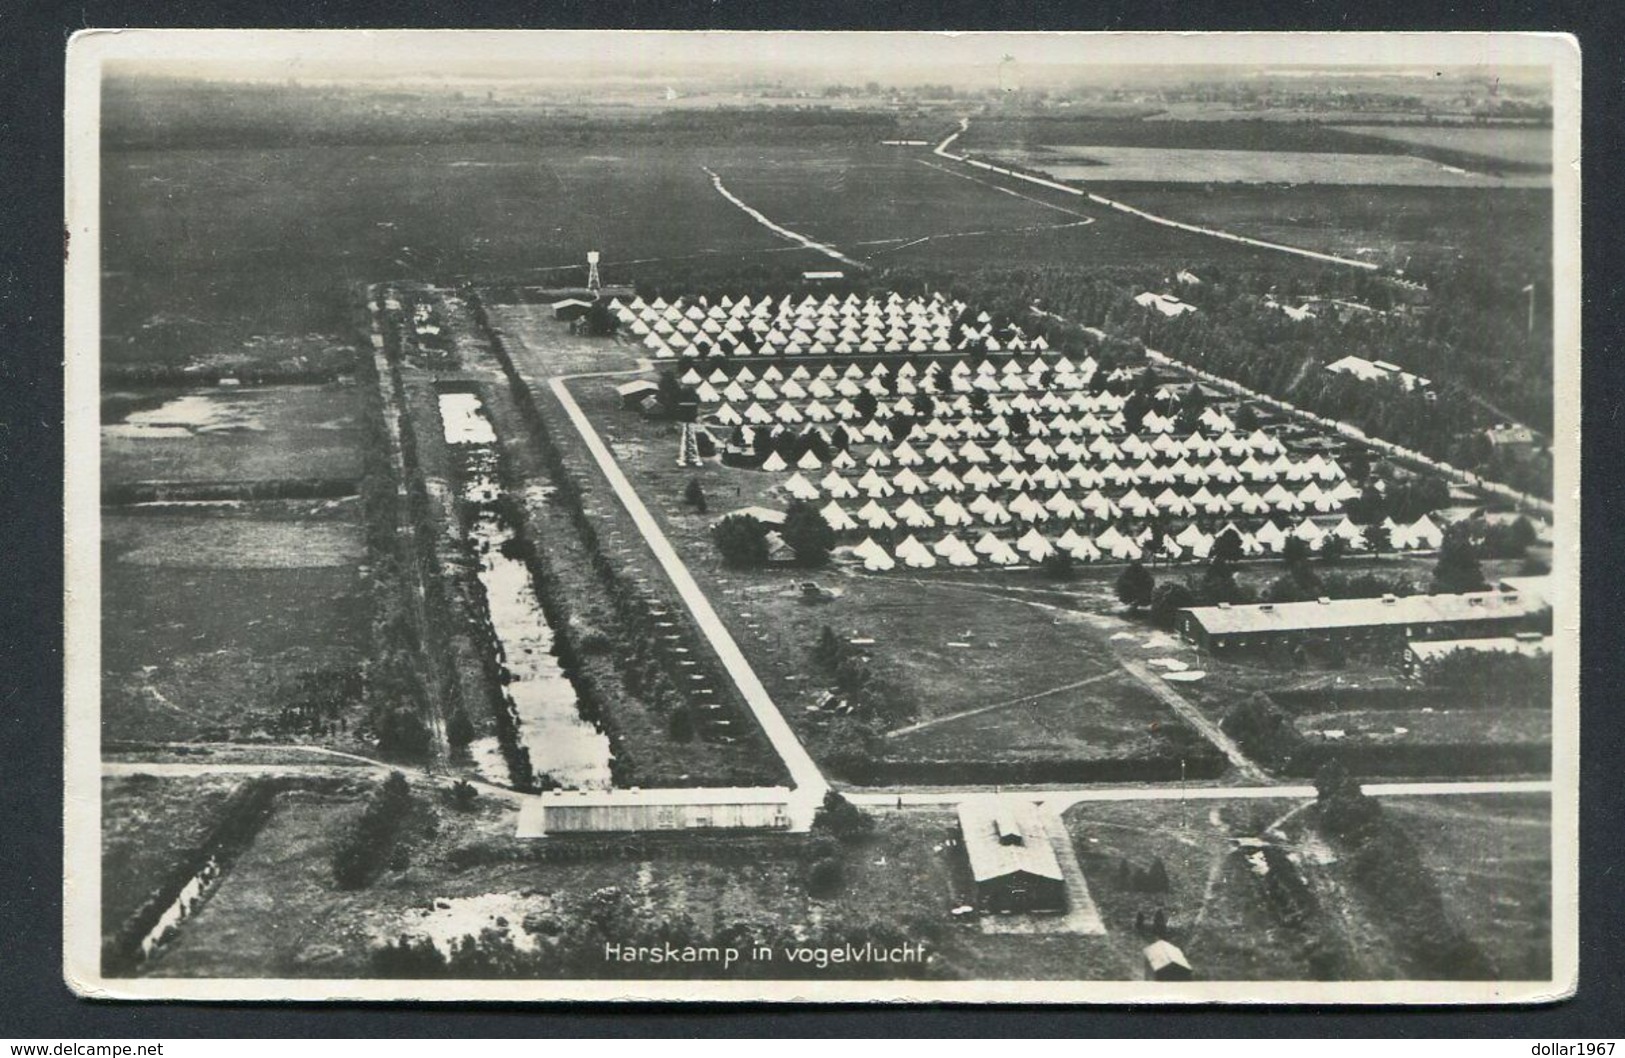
[807, 534]
[464, 796]
[459, 729]
[694, 494]
[1135, 586]
[1458, 569]
[369, 843]
[841, 818]
[403, 733]
[1059, 565]
[742, 541]
[1168, 600]
[825, 878]
[1262, 729]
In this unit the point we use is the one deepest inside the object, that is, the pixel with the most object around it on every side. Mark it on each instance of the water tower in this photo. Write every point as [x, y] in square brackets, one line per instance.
[593, 282]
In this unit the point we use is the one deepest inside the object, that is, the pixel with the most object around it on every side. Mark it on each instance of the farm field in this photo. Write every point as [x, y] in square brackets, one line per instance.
[252, 434]
[146, 823]
[1191, 165]
[1526, 145]
[208, 619]
[1386, 225]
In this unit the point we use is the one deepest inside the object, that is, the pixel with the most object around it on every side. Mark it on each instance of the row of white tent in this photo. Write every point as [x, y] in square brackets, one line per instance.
[1112, 545]
[812, 327]
[1054, 390]
[1058, 506]
[1041, 463]
[722, 374]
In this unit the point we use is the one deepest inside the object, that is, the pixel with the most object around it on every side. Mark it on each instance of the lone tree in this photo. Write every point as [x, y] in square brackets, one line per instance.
[599, 321]
[694, 495]
[459, 729]
[1458, 569]
[1135, 586]
[808, 535]
[1227, 549]
[1059, 565]
[1168, 600]
[742, 540]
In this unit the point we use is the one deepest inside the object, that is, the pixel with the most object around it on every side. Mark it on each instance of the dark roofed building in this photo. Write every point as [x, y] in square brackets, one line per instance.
[633, 393]
[1010, 857]
[571, 308]
[1388, 619]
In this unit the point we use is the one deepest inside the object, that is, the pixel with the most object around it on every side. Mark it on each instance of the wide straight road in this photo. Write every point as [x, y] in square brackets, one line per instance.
[1062, 798]
[809, 781]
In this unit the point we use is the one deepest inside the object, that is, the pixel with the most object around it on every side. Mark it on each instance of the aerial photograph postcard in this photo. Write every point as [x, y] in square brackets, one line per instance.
[561, 516]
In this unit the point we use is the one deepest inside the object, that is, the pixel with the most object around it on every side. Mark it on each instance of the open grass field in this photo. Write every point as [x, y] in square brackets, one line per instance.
[207, 617]
[203, 248]
[232, 435]
[1492, 857]
[1386, 225]
[146, 823]
[1217, 909]
[1487, 858]
[1529, 145]
[278, 910]
[1192, 165]
[895, 207]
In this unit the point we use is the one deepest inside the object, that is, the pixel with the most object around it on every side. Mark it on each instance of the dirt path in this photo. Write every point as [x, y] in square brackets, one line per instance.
[1181, 705]
[405, 530]
[779, 229]
[1008, 703]
[942, 151]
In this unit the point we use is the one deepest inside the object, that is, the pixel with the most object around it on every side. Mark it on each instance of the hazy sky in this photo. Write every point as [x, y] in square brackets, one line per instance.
[903, 57]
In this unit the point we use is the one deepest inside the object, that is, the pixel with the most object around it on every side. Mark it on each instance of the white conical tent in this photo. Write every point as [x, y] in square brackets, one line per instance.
[954, 550]
[875, 485]
[836, 518]
[837, 486]
[875, 516]
[949, 512]
[911, 514]
[799, 487]
[1424, 535]
[774, 463]
[1194, 540]
[914, 554]
[1034, 545]
[875, 559]
[1270, 536]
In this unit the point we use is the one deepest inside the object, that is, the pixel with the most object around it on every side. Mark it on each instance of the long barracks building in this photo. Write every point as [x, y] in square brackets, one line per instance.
[1386, 621]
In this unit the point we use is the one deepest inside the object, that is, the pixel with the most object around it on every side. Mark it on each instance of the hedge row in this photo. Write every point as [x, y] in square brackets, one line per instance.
[1441, 760]
[644, 670]
[241, 817]
[1165, 768]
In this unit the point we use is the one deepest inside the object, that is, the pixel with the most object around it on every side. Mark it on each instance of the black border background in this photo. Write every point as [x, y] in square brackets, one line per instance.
[33, 999]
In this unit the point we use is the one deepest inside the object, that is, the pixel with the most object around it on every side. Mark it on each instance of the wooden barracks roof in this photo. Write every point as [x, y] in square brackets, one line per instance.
[1004, 835]
[1362, 613]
